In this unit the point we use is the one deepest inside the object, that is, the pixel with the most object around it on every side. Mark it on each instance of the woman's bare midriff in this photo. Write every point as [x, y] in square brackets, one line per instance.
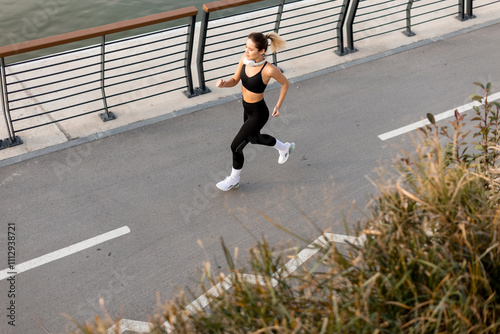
[251, 97]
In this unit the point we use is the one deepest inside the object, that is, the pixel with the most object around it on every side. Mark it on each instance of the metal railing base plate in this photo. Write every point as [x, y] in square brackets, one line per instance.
[342, 53]
[5, 143]
[107, 117]
[408, 33]
[349, 50]
[190, 95]
[202, 91]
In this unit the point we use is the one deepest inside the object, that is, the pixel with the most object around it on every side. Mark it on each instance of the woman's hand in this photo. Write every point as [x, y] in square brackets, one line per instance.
[276, 111]
[220, 83]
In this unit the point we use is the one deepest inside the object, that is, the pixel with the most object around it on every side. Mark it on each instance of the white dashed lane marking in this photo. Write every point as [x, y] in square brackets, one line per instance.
[439, 117]
[40, 261]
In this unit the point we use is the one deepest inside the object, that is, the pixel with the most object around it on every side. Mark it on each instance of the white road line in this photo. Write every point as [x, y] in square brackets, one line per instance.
[439, 117]
[40, 261]
[202, 301]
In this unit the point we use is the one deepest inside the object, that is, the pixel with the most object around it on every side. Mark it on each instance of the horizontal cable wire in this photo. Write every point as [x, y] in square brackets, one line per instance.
[312, 34]
[306, 45]
[56, 110]
[427, 4]
[224, 56]
[309, 28]
[307, 6]
[318, 11]
[435, 11]
[23, 62]
[143, 61]
[143, 77]
[234, 31]
[53, 91]
[144, 53]
[142, 69]
[379, 17]
[242, 46]
[486, 4]
[146, 34]
[307, 54]
[148, 43]
[377, 4]
[305, 22]
[60, 98]
[379, 34]
[53, 82]
[384, 24]
[57, 64]
[147, 97]
[246, 12]
[220, 67]
[60, 120]
[149, 86]
[240, 22]
[434, 19]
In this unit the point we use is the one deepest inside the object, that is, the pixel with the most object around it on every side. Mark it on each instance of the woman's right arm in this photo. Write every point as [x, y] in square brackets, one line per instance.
[234, 80]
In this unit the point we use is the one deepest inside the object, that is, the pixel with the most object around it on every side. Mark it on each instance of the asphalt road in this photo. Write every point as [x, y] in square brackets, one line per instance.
[159, 181]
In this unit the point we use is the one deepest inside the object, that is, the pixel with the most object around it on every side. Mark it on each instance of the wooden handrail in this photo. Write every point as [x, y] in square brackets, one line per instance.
[84, 34]
[223, 4]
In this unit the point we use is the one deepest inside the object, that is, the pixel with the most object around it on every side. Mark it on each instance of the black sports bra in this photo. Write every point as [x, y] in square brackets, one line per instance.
[253, 83]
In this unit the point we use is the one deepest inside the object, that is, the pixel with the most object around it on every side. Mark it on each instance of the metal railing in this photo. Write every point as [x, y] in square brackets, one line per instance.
[96, 78]
[222, 40]
[478, 4]
[369, 15]
[109, 74]
[309, 27]
[312, 27]
[365, 17]
[424, 11]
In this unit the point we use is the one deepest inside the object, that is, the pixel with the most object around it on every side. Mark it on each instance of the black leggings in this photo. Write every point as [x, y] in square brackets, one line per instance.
[255, 117]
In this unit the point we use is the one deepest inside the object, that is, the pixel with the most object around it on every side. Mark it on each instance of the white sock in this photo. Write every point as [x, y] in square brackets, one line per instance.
[235, 174]
[280, 146]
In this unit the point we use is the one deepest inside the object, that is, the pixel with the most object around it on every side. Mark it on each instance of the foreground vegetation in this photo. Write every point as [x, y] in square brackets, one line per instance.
[430, 262]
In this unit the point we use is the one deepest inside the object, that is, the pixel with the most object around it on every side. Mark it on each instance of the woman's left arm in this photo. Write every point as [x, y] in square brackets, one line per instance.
[278, 76]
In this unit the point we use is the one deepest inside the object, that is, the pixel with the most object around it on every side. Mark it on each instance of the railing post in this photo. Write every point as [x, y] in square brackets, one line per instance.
[461, 12]
[341, 50]
[107, 115]
[12, 140]
[190, 92]
[277, 26]
[202, 89]
[469, 9]
[349, 28]
[408, 31]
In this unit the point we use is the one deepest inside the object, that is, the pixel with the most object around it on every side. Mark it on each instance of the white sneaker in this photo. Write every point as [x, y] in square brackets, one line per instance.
[285, 154]
[228, 183]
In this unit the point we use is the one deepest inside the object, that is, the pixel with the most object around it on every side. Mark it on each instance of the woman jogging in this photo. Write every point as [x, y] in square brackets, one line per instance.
[255, 73]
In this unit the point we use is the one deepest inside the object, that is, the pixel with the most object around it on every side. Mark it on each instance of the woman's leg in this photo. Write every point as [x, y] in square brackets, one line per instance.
[255, 117]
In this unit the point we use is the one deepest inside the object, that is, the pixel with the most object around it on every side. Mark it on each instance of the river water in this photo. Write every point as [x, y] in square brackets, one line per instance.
[23, 20]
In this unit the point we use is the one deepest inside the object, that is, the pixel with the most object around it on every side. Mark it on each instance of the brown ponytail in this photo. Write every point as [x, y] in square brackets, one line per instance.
[260, 40]
[277, 42]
